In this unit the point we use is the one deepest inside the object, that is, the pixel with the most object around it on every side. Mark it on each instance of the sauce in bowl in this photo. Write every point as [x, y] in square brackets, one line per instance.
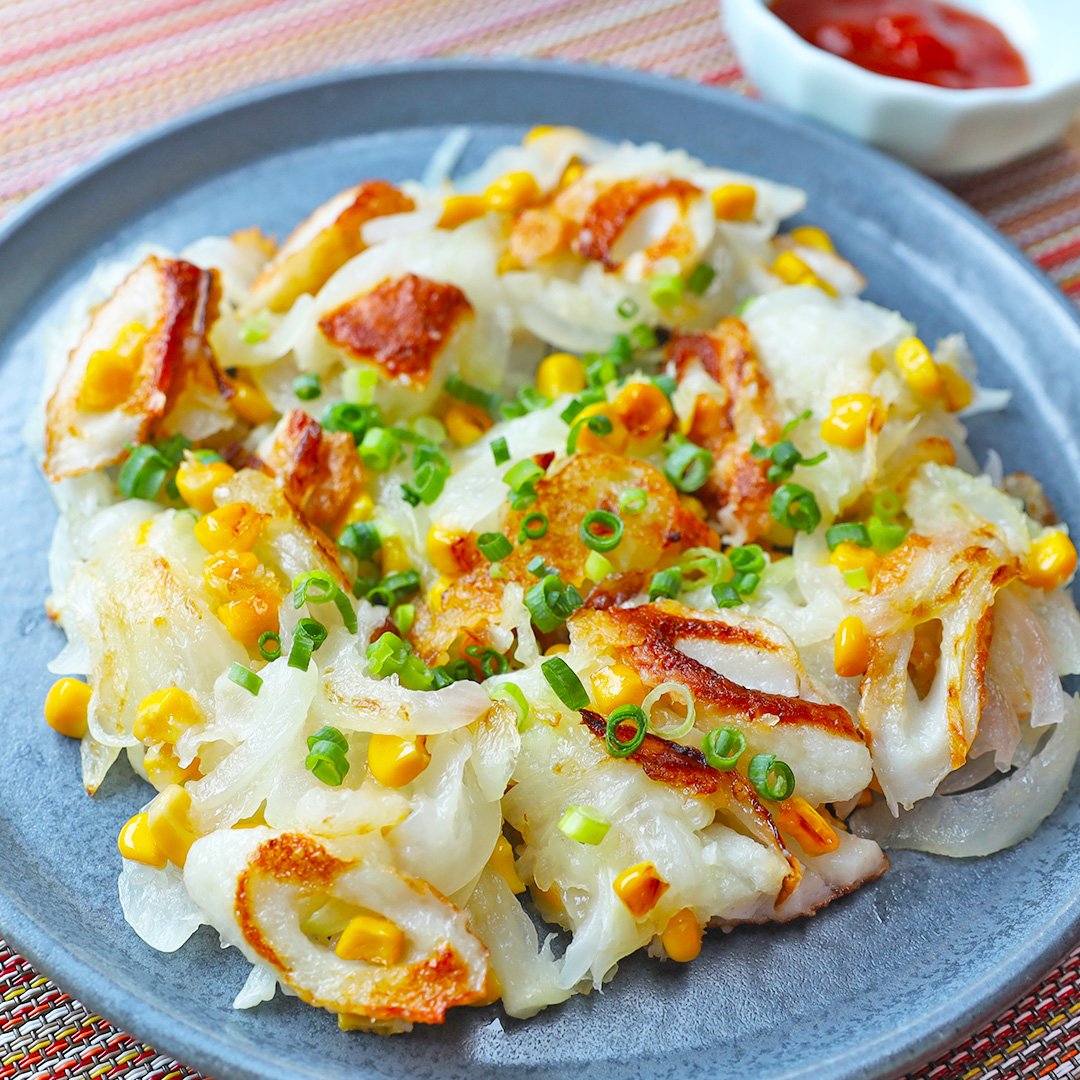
[921, 40]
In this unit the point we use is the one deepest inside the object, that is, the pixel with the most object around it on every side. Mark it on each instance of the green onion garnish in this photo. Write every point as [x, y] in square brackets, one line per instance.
[355, 419]
[598, 424]
[404, 616]
[784, 455]
[379, 448]
[256, 328]
[857, 579]
[611, 530]
[740, 311]
[711, 565]
[585, 824]
[723, 747]
[633, 500]
[524, 472]
[772, 779]
[726, 595]
[307, 387]
[473, 395]
[500, 451]
[885, 536]
[459, 670]
[688, 465]
[492, 662]
[643, 337]
[318, 587]
[430, 428]
[391, 655]
[701, 277]
[509, 691]
[538, 568]
[665, 383]
[394, 587]
[207, 457]
[148, 469]
[533, 526]
[494, 546]
[615, 746]
[620, 349]
[665, 290]
[326, 756]
[274, 651]
[627, 308]
[551, 602]
[601, 370]
[562, 678]
[246, 678]
[361, 538]
[597, 567]
[850, 532]
[665, 583]
[309, 635]
[887, 504]
[796, 508]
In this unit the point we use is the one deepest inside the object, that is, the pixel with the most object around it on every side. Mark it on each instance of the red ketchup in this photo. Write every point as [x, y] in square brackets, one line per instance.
[922, 40]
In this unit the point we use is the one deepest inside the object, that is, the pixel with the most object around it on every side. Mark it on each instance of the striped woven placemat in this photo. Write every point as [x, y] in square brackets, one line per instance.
[75, 75]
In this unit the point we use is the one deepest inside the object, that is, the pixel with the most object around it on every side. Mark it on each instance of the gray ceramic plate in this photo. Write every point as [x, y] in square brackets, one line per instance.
[872, 985]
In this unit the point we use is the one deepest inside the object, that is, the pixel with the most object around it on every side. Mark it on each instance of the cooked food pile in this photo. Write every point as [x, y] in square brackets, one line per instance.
[569, 543]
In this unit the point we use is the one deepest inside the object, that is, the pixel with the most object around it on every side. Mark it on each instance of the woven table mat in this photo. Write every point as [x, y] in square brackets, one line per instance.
[76, 75]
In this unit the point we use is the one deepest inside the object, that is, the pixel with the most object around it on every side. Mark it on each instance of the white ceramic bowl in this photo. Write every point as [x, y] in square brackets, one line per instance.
[940, 131]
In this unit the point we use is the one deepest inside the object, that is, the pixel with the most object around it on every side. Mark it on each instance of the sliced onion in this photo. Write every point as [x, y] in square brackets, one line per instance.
[676, 690]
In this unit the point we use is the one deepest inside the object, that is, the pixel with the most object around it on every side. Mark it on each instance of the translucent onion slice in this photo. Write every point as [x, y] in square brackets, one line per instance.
[676, 690]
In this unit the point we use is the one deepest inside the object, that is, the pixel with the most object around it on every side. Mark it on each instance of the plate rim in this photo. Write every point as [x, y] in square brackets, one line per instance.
[891, 1052]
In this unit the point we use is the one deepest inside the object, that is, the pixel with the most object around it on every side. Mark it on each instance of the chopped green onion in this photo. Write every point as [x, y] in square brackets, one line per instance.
[378, 448]
[887, 504]
[358, 384]
[791, 425]
[328, 734]
[609, 538]
[784, 455]
[601, 370]
[665, 290]
[750, 558]
[723, 747]
[633, 500]
[404, 616]
[688, 465]
[430, 428]
[494, 546]
[307, 387]
[355, 419]
[885, 536]
[492, 662]
[665, 583]
[326, 756]
[585, 824]
[246, 678]
[509, 691]
[701, 277]
[740, 311]
[849, 532]
[497, 570]
[665, 383]
[598, 424]
[271, 653]
[772, 779]
[459, 670]
[523, 498]
[533, 526]
[207, 457]
[318, 587]
[726, 595]
[745, 583]
[620, 349]
[538, 568]
[256, 328]
[857, 579]
[457, 387]
[643, 337]
[394, 587]
[615, 746]
[309, 635]
[597, 567]
[627, 308]
[361, 538]
[524, 472]
[428, 482]
[562, 678]
[711, 565]
[796, 508]
[500, 451]
[676, 690]
[148, 468]
[551, 602]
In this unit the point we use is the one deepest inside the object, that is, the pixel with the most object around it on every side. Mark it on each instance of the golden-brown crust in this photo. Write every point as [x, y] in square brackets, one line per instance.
[400, 326]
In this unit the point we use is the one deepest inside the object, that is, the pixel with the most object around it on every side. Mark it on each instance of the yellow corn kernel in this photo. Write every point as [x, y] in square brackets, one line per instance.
[588, 442]
[248, 618]
[789, 268]
[234, 526]
[847, 423]
[165, 715]
[459, 209]
[393, 556]
[957, 390]
[734, 202]
[512, 192]
[918, 368]
[361, 510]
[616, 685]
[560, 373]
[162, 767]
[435, 593]
[395, 762]
[848, 556]
[558, 649]
[1051, 561]
[640, 887]
[694, 505]
[800, 820]
[169, 820]
[570, 174]
[138, 844]
[229, 571]
[451, 551]
[812, 236]
[502, 862]
[372, 939]
[646, 413]
[682, 936]
[851, 650]
[65, 707]
[506, 263]
[250, 403]
[196, 482]
[537, 132]
[465, 423]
